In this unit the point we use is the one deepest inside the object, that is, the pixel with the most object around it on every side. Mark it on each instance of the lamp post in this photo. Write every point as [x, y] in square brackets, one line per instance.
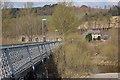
[56, 38]
[43, 31]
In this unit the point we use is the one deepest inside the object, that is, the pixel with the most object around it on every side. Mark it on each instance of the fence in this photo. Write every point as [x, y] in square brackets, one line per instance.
[16, 59]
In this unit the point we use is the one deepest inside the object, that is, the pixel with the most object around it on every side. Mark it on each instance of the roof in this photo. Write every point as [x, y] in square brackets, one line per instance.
[105, 37]
[92, 32]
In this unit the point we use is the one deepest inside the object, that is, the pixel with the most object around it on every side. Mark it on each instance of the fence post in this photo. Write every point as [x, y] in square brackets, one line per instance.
[9, 62]
[47, 54]
[39, 50]
[1, 63]
[31, 60]
[45, 49]
[50, 47]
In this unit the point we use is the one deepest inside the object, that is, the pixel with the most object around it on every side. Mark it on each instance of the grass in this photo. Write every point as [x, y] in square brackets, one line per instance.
[77, 57]
[44, 17]
[80, 15]
[110, 48]
[10, 41]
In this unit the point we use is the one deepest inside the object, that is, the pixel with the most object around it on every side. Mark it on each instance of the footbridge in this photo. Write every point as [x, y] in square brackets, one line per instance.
[17, 59]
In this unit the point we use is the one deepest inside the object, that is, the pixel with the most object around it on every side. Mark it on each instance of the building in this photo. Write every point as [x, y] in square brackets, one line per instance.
[104, 37]
[94, 33]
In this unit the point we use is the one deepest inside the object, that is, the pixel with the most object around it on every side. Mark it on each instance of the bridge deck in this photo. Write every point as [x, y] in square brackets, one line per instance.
[18, 58]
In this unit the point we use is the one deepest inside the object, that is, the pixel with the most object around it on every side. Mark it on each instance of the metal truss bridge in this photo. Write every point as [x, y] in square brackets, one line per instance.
[18, 59]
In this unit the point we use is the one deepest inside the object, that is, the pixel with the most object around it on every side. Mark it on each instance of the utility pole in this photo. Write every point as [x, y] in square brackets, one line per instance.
[43, 30]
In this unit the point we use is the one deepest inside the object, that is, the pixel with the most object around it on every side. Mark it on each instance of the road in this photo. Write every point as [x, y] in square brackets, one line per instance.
[105, 75]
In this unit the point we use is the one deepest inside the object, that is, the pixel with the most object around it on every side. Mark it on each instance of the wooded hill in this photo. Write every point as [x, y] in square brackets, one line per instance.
[48, 10]
[38, 11]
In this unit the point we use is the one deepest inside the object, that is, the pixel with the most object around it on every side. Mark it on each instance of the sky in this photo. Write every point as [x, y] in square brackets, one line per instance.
[40, 3]
[63, 0]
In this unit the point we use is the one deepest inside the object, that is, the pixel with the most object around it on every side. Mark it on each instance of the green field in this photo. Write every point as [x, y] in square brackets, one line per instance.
[80, 15]
[45, 17]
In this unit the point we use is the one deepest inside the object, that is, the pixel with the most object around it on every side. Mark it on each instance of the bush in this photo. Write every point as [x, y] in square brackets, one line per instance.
[64, 19]
[89, 37]
[94, 39]
[98, 38]
[74, 56]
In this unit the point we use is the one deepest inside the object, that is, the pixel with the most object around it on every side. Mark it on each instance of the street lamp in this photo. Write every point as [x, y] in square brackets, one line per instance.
[56, 38]
[43, 31]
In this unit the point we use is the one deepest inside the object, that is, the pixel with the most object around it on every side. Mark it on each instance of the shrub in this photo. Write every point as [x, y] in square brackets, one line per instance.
[89, 37]
[98, 38]
[94, 39]
[74, 56]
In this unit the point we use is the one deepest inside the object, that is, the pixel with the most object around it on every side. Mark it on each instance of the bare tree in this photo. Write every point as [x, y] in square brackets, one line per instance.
[1, 4]
[105, 7]
[7, 4]
[0, 23]
[64, 19]
[29, 23]
[28, 4]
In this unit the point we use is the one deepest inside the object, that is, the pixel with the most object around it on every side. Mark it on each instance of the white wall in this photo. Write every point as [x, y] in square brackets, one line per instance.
[95, 36]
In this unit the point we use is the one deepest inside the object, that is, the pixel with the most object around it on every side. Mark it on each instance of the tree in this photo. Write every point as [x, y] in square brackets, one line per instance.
[28, 23]
[98, 38]
[23, 21]
[94, 39]
[29, 26]
[84, 6]
[64, 19]
[0, 23]
[1, 4]
[105, 7]
[88, 37]
[28, 4]
[73, 57]
[6, 13]
[7, 4]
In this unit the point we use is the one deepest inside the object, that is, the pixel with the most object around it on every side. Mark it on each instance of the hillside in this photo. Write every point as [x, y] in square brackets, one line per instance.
[106, 22]
[17, 21]
[47, 10]
[101, 19]
[89, 10]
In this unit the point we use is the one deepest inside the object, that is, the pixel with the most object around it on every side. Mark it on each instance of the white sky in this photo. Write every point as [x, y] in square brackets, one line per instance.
[61, 0]
[40, 3]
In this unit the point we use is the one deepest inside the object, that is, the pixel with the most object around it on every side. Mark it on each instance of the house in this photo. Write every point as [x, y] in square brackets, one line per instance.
[95, 34]
[104, 37]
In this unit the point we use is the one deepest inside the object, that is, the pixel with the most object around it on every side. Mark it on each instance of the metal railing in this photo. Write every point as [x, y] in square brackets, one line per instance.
[15, 59]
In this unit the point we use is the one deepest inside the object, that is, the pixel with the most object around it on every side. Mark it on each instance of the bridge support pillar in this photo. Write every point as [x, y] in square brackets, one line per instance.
[33, 68]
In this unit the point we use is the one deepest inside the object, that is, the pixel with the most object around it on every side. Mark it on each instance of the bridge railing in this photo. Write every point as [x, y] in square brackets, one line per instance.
[15, 59]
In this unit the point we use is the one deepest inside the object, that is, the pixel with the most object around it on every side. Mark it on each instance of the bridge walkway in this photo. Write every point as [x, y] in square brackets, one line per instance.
[17, 60]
